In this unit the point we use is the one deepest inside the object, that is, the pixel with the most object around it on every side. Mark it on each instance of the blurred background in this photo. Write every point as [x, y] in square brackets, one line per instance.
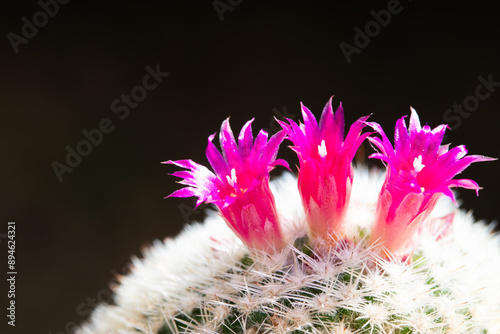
[157, 78]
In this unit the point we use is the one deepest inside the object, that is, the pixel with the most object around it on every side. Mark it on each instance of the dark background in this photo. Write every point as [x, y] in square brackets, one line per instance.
[74, 236]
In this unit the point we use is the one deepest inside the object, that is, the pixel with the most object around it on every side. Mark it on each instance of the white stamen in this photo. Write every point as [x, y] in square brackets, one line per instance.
[417, 164]
[322, 149]
[232, 180]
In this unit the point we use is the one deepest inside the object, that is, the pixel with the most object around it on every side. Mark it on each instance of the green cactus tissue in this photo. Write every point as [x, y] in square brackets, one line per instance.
[337, 249]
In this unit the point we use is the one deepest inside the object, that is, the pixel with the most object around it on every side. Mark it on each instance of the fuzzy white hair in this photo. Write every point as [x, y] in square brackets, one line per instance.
[453, 285]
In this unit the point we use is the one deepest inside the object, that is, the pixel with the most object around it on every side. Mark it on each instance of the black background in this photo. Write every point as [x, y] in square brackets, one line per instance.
[74, 236]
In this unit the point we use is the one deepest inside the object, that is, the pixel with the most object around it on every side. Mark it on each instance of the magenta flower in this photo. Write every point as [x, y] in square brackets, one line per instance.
[240, 185]
[326, 172]
[419, 171]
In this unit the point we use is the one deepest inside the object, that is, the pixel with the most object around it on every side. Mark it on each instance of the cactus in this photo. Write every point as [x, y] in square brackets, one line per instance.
[282, 266]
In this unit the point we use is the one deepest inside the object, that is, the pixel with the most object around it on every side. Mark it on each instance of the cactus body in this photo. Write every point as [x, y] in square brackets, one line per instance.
[206, 281]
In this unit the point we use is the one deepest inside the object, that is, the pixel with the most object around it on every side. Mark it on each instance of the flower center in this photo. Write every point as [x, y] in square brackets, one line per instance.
[232, 180]
[322, 149]
[417, 164]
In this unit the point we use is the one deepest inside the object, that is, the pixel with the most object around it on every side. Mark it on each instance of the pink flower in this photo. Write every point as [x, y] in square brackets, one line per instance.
[419, 171]
[240, 185]
[326, 172]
